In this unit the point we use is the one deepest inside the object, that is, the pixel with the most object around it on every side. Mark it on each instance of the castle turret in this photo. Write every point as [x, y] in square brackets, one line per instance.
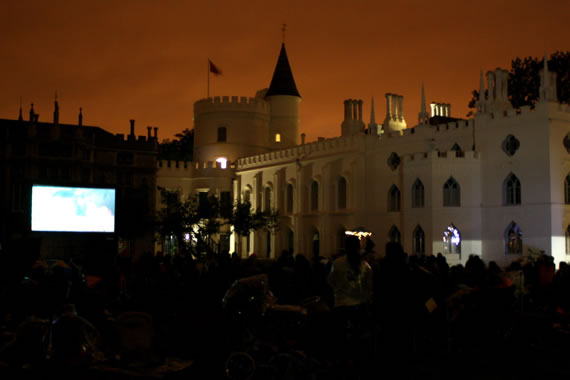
[284, 99]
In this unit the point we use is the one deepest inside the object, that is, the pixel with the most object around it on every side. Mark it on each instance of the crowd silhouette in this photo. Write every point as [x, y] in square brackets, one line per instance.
[358, 315]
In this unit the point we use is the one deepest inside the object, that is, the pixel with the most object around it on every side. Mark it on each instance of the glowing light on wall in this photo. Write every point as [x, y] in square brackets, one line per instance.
[223, 162]
[359, 233]
[278, 137]
[452, 234]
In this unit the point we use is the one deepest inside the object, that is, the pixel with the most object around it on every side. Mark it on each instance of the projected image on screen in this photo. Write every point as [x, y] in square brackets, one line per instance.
[73, 209]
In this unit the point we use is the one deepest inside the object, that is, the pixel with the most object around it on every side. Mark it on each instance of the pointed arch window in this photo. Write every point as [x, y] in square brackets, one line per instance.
[314, 196]
[394, 235]
[567, 190]
[419, 241]
[418, 194]
[512, 190]
[267, 199]
[452, 240]
[394, 198]
[247, 195]
[289, 198]
[513, 239]
[342, 193]
[451, 193]
[457, 149]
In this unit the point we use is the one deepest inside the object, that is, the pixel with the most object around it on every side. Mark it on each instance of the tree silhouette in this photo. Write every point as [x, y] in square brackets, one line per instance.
[201, 218]
[524, 80]
[179, 149]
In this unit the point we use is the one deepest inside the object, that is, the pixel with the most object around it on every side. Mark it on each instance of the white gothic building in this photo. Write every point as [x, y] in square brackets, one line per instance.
[496, 185]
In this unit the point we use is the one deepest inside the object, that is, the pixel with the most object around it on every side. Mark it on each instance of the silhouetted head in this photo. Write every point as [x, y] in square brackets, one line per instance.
[395, 252]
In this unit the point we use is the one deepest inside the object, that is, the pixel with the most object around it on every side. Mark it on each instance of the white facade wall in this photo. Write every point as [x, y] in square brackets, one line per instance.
[541, 163]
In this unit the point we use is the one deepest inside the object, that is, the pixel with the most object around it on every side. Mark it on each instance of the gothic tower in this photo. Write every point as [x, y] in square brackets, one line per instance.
[284, 99]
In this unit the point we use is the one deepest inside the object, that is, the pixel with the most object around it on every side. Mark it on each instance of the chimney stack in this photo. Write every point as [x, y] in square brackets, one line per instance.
[148, 129]
[156, 133]
[302, 139]
[132, 134]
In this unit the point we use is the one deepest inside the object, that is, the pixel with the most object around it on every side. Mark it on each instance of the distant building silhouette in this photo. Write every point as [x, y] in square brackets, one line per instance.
[51, 153]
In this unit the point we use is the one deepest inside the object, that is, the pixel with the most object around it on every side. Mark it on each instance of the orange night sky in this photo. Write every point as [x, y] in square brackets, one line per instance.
[147, 59]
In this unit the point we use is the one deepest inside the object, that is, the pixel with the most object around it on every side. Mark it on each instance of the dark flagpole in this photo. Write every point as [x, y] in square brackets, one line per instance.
[208, 78]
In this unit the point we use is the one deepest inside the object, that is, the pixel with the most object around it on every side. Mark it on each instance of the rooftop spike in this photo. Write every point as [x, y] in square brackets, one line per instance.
[20, 118]
[80, 121]
[423, 116]
[372, 113]
[282, 82]
[481, 87]
[55, 110]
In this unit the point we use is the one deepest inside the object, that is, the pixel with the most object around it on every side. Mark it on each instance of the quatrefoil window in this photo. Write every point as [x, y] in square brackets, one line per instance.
[511, 145]
[393, 161]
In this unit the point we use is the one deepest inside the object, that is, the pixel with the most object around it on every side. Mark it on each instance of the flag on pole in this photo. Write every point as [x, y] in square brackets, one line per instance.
[214, 69]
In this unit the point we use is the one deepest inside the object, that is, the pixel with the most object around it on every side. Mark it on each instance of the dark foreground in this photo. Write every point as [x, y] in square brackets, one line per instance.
[174, 318]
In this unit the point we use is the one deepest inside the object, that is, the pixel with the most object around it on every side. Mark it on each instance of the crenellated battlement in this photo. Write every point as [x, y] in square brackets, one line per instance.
[232, 104]
[135, 139]
[550, 108]
[437, 155]
[316, 148]
[193, 169]
[454, 125]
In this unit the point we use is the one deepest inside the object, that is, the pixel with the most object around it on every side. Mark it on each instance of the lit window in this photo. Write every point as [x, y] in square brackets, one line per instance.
[278, 137]
[223, 162]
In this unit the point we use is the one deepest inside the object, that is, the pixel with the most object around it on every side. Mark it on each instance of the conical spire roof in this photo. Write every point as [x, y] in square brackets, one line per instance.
[282, 82]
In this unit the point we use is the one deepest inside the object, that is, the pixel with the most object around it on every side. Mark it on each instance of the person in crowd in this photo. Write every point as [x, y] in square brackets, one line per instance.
[351, 278]
[351, 281]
